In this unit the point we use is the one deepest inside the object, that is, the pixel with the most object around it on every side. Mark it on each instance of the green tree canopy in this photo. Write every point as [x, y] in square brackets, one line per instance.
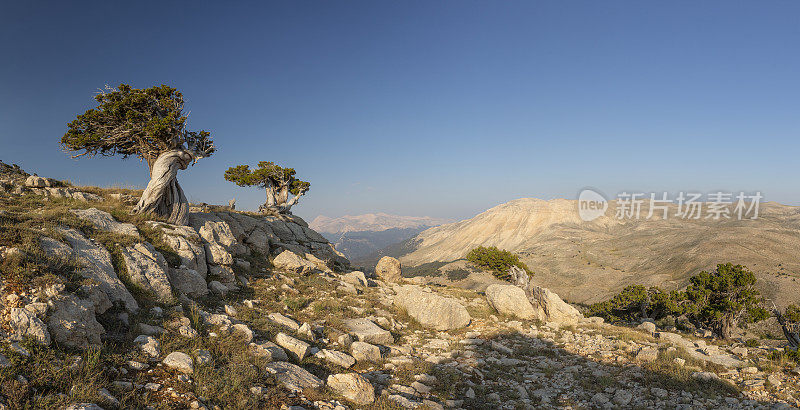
[278, 181]
[496, 260]
[131, 121]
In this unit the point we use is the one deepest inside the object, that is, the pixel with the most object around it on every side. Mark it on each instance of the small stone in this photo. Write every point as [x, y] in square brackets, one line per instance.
[648, 327]
[622, 397]
[230, 310]
[179, 361]
[202, 356]
[152, 386]
[297, 348]
[149, 345]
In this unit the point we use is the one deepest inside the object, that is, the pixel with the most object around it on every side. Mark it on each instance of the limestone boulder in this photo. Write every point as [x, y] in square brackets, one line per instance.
[294, 377]
[72, 321]
[353, 387]
[555, 309]
[388, 269]
[292, 262]
[179, 361]
[23, 323]
[105, 222]
[366, 330]
[97, 266]
[431, 310]
[188, 282]
[148, 269]
[186, 242]
[511, 300]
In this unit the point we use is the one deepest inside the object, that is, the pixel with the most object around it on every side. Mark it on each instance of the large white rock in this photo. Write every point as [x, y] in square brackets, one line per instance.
[103, 221]
[97, 266]
[34, 181]
[292, 262]
[186, 242]
[431, 310]
[555, 309]
[148, 269]
[366, 330]
[72, 321]
[294, 377]
[389, 269]
[353, 387]
[511, 300]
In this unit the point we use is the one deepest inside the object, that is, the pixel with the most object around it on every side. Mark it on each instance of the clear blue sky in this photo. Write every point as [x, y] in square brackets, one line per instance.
[440, 108]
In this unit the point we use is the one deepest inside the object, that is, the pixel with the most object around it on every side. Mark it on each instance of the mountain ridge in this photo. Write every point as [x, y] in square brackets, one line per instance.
[588, 262]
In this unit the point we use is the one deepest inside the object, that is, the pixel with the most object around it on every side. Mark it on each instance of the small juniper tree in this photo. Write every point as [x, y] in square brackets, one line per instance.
[725, 298]
[148, 123]
[278, 182]
[498, 261]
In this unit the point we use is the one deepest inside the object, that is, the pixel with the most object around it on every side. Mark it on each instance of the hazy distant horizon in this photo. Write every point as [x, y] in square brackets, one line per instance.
[420, 108]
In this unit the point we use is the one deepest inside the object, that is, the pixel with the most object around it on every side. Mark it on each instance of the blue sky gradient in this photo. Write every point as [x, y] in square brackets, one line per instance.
[425, 108]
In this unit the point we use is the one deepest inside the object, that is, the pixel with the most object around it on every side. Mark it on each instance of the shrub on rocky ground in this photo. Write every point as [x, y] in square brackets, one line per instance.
[496, 260]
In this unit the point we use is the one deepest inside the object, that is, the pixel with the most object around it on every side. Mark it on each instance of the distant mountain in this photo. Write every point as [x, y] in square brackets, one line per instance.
[590, 261]
[361, 235]
[372, 222]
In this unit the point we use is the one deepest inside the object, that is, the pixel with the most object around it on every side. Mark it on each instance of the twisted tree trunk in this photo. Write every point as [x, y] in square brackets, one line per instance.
[163, 195]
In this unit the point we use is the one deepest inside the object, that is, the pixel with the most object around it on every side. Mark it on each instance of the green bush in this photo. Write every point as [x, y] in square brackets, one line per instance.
[496, 260]
[792, 313]
[721, 300]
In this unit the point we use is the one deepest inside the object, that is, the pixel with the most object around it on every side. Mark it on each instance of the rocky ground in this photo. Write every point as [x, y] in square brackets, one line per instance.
[103, 309]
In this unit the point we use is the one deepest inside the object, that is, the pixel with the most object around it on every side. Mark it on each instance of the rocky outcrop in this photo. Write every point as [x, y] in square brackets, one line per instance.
[25, 323]
[431, 310]
[148, 269]
[97, 266]
[389, 269]
[511, 300]
[105, 222]
[292, 262]
[555, 309]
[72, 321]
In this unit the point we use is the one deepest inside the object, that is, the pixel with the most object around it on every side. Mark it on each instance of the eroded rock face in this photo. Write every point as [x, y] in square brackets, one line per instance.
[25, 323]
[511, 300]
[105, 222]
[431, 310]
[388, 269]
[72, 321]
[353, 387]
[292, 262]
[148, 269]
[186, 242]
[555, 309]
[97, 266]
[188, 282]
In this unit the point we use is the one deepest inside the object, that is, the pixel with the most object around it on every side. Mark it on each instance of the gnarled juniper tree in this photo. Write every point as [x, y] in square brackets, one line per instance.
[148, 123]
[278, 181]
